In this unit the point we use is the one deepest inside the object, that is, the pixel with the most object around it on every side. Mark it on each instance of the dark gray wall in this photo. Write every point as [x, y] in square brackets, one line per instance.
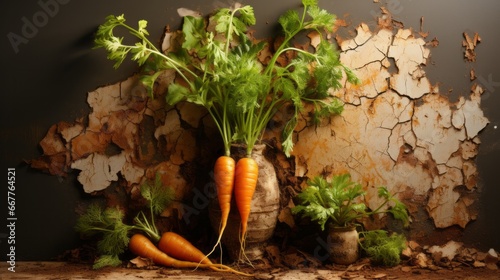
[50, 67]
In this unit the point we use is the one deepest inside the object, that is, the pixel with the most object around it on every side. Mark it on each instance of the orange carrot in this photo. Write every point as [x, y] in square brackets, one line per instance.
[224, 183]
[170, 242]
[141, 246]
[245, 181]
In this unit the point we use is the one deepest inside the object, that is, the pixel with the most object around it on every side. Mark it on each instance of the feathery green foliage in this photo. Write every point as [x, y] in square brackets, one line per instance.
[108, 225]
[220, 65]
[107, 260]
[157, 195]
[340, 202]
[382, 248]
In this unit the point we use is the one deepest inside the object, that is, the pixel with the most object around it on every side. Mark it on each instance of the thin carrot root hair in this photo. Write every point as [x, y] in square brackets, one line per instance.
[242, 255]
[218, 243]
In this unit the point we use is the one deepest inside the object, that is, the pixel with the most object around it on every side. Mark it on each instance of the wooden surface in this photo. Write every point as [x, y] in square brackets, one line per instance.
[59, 270]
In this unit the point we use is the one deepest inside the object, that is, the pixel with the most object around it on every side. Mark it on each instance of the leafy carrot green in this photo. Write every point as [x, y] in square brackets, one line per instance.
[108, 223]
[222, 71]
[295, 83]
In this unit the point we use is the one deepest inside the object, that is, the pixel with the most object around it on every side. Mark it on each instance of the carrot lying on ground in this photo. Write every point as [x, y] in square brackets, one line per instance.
[224, 183]
[171, 242]
[245, 182]
[141, 246]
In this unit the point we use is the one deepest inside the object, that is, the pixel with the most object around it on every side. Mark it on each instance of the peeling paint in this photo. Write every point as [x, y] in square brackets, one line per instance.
[98, 171]
[410, 54]
[402, 133]
[470, 45]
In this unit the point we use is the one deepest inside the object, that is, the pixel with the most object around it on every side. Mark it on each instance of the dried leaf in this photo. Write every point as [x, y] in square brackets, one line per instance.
[406, 268]
[407, 252]
[286, 217]
[140, 262]
[421, 260]
[274, 254]
[492, 266]
[493, 253]
[491, 257]
[479, 264]
[414, 245]
[448, 251]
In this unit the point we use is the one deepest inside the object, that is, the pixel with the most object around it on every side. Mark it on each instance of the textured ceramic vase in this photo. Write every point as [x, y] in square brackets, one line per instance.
[263, 214]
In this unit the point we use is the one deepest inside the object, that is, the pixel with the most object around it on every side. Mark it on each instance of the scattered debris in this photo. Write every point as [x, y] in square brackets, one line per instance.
[141, 262]
[447, 251]
[450, 256]
[493, 253]
[75, 270]
[273, 254]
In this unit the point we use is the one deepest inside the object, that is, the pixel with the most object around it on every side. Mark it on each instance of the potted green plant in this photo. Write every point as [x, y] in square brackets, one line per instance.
[220, 66]
[339, 204]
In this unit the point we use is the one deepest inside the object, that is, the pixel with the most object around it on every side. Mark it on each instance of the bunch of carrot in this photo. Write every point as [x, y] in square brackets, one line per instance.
[171, 249]
[174, 251]
[223, 54]
[239, 178]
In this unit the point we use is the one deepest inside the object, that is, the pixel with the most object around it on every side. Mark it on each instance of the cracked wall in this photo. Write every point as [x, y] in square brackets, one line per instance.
[398, 130]
[127, 139]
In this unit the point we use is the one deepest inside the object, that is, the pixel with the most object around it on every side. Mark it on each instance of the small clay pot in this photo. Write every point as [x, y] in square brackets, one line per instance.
[343, 244]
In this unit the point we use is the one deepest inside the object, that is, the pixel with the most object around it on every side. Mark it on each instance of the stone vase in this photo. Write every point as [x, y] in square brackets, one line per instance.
[263, 214]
